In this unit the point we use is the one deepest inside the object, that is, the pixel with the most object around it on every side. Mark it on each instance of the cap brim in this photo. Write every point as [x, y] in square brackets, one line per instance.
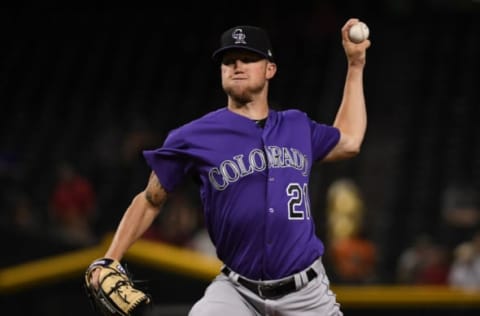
[217, 55]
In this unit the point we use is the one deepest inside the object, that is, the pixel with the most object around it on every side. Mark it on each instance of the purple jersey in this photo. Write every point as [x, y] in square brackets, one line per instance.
[253, 185]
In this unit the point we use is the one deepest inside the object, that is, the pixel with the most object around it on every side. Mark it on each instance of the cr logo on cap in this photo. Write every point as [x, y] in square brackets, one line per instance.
[239, 36]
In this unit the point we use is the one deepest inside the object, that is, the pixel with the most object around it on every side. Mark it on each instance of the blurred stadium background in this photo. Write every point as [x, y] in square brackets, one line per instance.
[86, 90]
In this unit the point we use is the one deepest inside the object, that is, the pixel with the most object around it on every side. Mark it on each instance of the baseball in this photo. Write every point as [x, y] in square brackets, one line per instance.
[358, 32]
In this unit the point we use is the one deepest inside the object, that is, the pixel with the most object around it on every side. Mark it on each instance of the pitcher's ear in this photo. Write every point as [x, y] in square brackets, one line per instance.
[271, 70]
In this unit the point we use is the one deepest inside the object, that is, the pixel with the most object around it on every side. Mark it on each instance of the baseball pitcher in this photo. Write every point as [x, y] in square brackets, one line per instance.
[253, 167]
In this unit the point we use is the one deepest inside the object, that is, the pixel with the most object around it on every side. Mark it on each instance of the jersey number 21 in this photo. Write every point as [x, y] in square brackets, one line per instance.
[298, 196]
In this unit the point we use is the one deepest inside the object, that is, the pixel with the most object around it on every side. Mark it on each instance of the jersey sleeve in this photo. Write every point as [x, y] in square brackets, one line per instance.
[169, 162]
[324, 138]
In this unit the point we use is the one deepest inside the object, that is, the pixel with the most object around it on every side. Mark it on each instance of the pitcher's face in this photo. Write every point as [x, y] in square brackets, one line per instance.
[245, 74]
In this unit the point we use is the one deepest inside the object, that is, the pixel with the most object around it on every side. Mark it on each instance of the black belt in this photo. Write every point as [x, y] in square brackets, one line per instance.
[271, 290]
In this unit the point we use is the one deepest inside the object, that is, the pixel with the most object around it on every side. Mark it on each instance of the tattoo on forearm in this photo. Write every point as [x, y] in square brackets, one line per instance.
[154, 193]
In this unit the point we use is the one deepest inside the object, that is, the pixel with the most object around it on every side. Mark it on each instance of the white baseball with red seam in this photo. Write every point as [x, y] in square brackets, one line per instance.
[358, 32]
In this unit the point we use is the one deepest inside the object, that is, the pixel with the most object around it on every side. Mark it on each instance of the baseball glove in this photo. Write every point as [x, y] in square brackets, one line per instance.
[116, 293]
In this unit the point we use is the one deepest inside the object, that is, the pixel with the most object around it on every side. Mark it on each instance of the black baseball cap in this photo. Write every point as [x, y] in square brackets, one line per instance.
[252, 38]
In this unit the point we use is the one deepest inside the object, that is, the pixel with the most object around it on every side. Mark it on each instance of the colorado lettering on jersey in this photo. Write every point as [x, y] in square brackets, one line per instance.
[231, 170]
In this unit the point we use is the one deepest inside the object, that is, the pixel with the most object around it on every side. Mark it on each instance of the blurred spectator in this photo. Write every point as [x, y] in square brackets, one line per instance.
[354, 260]
[345, 210]
[412, 259]
[180, 224]
[460, 214]
[425, 262]
[465, 269]
[435, 268]
[73, 207]
[352, 255]
[177, 223]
